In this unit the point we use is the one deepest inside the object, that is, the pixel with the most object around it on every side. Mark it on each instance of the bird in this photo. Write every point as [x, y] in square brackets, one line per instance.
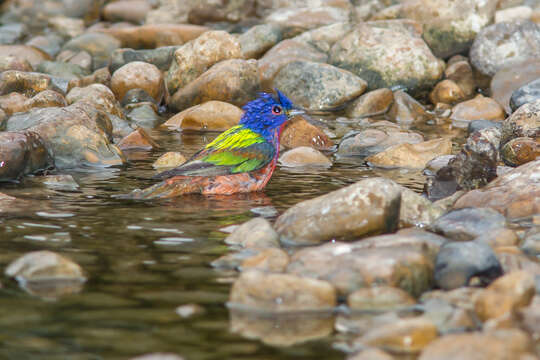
[239, 160]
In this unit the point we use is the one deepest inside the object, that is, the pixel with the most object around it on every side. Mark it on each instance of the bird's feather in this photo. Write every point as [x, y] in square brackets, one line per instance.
[237, 150]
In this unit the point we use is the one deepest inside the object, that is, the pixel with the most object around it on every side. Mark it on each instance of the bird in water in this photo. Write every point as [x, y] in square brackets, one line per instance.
[241, 159]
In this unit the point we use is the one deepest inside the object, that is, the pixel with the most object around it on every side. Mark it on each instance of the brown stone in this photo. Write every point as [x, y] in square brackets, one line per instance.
[100, 76]
[506, 294]
[255, 233]
[234, 81]
[282, 292]
[138, 75]
[138, 139]
[519, 151]
[299, 132]
[209, 116]
[304, 156]
[8, 62]
[99, 95]
[127, 10]
[194, 58]
[272, 260]
[296, 20]
[27, 83]
[25, 53]
[15, 102]
[406, 110]
[371, 354]
[154, 35]
[411, 155]
[407, 336]
[514, 194]
[366, 207]
[22, 153]
[170, 159]
[479, 108]
[373, 103]
[379, 298]
[524, 122]
[447, 92]
[460, 72]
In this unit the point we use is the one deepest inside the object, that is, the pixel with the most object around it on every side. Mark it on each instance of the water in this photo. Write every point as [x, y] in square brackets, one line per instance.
[144, 259]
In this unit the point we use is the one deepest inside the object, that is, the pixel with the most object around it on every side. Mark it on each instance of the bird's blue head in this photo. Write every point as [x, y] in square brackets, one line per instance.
[267, 113]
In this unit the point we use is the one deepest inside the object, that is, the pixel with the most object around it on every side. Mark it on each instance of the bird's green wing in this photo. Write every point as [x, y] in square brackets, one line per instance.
[236, 150]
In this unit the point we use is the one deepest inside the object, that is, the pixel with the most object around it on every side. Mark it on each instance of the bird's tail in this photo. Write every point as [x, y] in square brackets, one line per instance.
[175, 186]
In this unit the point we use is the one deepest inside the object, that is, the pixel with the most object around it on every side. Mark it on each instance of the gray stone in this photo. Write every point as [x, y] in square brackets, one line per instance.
[12, 33]
[161, 57]
[528, 93]
[477, 125]
[458, 262]
[504, 45]
[318, 86]
[99, 45]
[259, 39]
[469, 223]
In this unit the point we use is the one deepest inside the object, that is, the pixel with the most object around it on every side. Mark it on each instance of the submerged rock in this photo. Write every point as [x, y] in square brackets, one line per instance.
[458, 262]
[281, 293]
[367, 207]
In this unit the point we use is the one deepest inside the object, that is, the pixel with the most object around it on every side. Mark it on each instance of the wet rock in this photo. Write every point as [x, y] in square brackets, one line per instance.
[25, 53]
[144, 115]
[209, 116]
[477, 125]
[449, 28]
[169, 160]
[295, 20]
[281, 292]
[514, 194]
[505, 44]
[304, 156]
[67, 27]
[255, 233]
[99, 45]
[100, 76]
[138, 75]
[353, 266]
[506, 294]
[469, 223]
[151, 36]
[80, 58]
[318, 86]
[374, 140]
[479, 108]
[15, 102]
[524, 122]
[299, 132]
[447, 92]
[272, 260]
[372, 53]
[26, 83]
[62, 70]
[259, 39]
[161, 57]
[500, 344]
[379, 298]
[74, 135]
[458, 262]
[12, 33]
[283, 53]
[373, 103]
[406, 110]
[416, 210]
[8, 62]
[459, 71]
[46, 274]
[234, 81]
[60, 182]
[158, 356]
[205, 11]
[507, 81]
[411, 155]
[137, 96]
[281, 329]
[194, 58]
[22, 153]
[51, 44]
[127, 10]
[519, 151]
[342, 214]
[407, 336]
[98, 95]
[530, 92]
[138, 139]
[437, 163]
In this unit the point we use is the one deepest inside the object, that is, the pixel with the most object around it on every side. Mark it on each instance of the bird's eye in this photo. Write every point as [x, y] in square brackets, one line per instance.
[276, 110]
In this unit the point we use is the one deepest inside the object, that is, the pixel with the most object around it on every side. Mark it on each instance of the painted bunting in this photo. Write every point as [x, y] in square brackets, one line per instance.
[239, 160]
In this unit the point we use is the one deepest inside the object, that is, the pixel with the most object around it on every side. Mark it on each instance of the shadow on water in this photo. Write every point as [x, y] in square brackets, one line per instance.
[144, 259]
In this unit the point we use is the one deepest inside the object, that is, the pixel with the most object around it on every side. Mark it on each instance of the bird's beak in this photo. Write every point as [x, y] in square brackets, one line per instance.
[294, 112]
